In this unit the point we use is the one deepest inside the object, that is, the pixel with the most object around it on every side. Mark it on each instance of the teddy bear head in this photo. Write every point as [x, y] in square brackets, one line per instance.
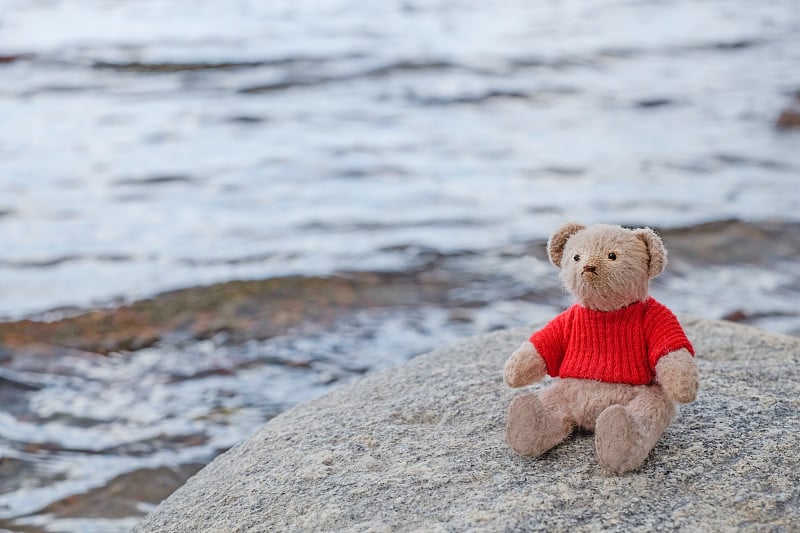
[607, 267]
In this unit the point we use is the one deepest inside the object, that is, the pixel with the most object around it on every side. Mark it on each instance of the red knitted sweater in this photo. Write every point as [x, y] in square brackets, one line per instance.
[621, 346]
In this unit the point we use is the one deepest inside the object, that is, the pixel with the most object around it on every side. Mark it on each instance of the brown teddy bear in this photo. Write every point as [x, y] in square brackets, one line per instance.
[620, 358]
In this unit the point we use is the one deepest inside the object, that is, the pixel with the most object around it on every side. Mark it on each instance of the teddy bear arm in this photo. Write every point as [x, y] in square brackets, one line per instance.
[677, 374]
[525, 366]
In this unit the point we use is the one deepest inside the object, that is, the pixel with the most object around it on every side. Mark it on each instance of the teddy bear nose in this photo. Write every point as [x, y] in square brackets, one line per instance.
[590, 268]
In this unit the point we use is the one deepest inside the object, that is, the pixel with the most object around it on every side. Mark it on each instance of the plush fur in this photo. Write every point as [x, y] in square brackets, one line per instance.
[605, 268]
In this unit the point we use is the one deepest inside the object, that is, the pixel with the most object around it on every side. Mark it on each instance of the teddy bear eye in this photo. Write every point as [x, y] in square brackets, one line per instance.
[612, 256]
[576, 257]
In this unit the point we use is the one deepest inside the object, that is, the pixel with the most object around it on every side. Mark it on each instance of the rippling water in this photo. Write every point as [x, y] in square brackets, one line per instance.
[151, 145]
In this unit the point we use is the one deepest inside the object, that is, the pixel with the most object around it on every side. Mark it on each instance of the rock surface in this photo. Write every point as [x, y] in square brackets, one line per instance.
[421, 448]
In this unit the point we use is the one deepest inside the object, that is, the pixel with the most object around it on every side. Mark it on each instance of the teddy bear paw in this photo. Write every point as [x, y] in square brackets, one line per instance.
[618, 442]
[677, 374]
[531, 431]
[524, 367]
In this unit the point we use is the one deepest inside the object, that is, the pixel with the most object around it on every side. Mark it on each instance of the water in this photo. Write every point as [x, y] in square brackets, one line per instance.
[149, 145]
[131, 164]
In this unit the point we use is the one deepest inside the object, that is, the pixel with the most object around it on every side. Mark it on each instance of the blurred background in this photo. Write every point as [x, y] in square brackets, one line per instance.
[210, 211]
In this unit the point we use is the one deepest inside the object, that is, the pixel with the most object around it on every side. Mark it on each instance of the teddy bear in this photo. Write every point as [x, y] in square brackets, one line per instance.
[620, 358]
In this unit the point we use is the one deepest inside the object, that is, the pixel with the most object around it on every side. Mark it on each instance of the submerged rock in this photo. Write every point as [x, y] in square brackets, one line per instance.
[788, 119]
[422, 448]
[243, 310]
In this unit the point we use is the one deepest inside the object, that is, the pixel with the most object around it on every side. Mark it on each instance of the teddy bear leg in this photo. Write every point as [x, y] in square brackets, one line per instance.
[624, 435]
[536, 425]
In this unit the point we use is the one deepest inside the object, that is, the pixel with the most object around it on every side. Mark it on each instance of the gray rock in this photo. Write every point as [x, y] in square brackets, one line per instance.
[422, 448]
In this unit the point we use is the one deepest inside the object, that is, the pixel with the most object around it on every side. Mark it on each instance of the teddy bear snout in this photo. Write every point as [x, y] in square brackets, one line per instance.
[590, 268]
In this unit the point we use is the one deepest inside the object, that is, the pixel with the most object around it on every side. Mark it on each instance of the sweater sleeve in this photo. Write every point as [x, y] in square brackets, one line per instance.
[663, 332]
[550, 342]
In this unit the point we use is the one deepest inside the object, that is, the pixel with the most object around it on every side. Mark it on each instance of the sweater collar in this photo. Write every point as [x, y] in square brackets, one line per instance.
[621, 311]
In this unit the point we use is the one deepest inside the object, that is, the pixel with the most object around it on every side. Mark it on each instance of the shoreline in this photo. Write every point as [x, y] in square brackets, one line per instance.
[260, 309]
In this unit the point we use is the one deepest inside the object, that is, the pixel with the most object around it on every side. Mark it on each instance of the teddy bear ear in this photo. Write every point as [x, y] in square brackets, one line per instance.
[655, 249]
[557, 241]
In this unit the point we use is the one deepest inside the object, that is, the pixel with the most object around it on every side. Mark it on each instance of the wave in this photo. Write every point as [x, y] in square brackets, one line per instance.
[374, 72]
[64, 259]
[166, 67]
[156, 180]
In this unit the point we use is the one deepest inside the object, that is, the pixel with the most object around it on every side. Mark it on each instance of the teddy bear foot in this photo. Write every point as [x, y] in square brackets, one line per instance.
[619, 444]
[531, 431]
